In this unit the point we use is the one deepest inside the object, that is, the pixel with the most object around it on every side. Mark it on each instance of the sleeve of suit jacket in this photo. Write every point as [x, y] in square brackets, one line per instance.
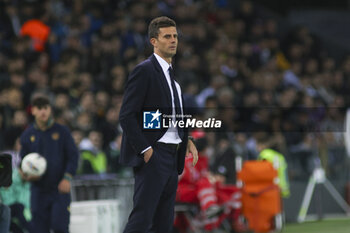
[134, 96]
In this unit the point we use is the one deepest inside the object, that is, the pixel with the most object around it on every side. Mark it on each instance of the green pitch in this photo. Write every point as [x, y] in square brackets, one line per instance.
[324, 226]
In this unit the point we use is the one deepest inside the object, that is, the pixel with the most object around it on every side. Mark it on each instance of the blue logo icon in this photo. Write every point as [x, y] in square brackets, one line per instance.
[151, 119]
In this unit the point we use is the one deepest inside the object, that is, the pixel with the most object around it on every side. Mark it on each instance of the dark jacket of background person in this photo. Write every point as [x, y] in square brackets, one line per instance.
[57, 146]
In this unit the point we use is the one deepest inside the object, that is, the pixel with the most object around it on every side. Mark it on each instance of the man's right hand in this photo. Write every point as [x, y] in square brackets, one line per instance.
[27, 177]
[147, 155]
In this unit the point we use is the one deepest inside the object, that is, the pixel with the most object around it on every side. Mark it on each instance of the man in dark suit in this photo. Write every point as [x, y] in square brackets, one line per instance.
[156, 155]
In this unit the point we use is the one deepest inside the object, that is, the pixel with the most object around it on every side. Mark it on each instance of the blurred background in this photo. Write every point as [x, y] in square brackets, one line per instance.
[272, 70]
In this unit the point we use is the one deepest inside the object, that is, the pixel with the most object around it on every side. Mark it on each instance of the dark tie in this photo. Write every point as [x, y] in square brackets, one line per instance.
[176, 99]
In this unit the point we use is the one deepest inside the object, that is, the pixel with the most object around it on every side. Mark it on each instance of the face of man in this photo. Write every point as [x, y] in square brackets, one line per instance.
[166, 43]
[95, 138]
[42, 114]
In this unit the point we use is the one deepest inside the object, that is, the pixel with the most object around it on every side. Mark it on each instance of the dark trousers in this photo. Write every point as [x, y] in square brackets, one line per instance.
[18, 224]
[154, 193]
[50, 211]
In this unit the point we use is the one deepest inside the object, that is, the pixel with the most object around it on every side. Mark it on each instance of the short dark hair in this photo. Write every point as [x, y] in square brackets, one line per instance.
[159, 22]
[40, 101]
[263, 139]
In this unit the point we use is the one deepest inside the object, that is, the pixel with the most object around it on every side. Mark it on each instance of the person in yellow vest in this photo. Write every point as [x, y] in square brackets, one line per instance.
[93, 159]
[277, 159]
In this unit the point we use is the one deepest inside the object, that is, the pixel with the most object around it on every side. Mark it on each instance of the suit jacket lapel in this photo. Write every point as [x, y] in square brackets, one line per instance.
[162, 79]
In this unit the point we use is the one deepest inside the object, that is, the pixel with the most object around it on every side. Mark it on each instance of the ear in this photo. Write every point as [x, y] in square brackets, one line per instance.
[153, 41]
[33, 110]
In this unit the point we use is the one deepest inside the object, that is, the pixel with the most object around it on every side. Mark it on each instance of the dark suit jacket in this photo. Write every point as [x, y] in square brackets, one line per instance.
[146, 89]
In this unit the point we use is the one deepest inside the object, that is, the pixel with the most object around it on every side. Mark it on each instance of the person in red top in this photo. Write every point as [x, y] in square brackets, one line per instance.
[37, 31]
[216, 200]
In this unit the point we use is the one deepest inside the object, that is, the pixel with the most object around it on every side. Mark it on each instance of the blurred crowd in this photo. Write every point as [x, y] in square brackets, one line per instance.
[233, 64]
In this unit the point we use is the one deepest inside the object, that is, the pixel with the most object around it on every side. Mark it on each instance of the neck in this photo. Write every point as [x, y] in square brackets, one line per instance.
[44, 125]
[167, 59]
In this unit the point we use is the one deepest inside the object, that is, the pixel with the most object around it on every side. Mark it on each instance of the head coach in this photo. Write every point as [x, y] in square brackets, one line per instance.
[157, 156]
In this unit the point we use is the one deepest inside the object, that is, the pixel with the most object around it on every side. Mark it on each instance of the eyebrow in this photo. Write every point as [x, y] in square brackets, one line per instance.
[169, 34]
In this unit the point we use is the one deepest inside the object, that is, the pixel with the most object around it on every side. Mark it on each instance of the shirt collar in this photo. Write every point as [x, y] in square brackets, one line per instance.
[50, 123]
[165, 65]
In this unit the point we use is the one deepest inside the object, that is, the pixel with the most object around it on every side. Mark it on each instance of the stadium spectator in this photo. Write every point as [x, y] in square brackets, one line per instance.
[93, 159]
